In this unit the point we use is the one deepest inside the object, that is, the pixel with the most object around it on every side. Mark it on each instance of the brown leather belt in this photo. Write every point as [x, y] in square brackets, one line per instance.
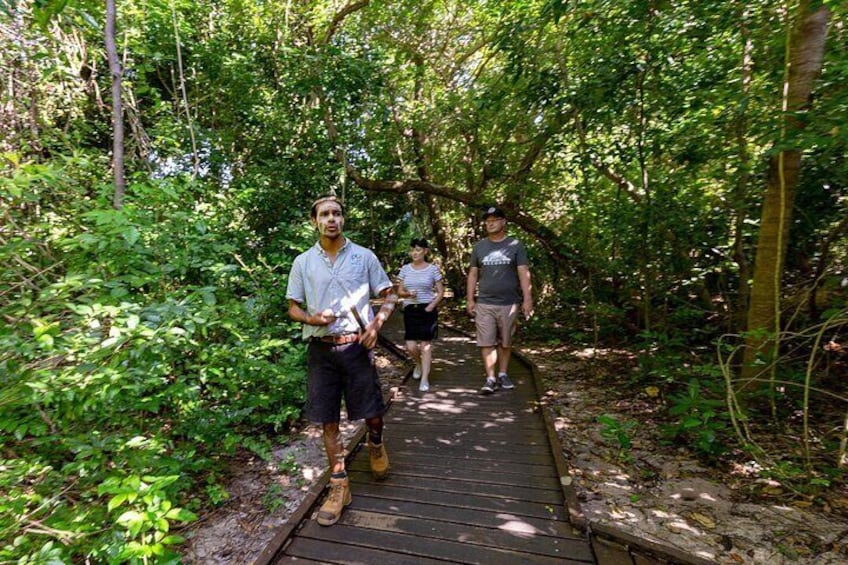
[338, 339]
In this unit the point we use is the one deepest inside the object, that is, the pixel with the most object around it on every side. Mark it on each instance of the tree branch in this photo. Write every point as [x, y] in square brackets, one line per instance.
[339, 18]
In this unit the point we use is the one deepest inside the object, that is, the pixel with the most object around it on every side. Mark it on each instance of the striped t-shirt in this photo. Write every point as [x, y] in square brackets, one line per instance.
[421, 281]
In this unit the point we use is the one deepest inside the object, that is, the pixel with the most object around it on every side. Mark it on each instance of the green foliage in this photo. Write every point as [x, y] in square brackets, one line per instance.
[148, 352]
[145, 512]
[617, 433]
[701, 418]
[661, 357]
[274, 498]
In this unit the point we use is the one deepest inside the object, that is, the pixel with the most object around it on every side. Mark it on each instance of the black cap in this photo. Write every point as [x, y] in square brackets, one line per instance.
[419, 242]
[493, 211]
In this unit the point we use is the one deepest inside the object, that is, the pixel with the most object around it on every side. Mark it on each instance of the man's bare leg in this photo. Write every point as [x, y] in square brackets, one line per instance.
[490, 359]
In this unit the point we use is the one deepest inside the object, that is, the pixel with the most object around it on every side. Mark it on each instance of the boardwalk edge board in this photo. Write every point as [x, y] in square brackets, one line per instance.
[646, 551]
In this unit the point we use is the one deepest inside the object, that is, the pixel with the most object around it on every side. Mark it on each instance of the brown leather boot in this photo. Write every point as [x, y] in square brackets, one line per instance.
[338, 498]
[379, 460]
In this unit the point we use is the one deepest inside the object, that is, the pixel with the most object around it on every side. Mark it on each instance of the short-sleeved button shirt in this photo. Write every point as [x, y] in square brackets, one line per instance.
[348, 283]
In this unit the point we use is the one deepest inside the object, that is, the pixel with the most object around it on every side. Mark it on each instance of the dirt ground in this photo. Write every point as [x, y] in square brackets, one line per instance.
[726, 515]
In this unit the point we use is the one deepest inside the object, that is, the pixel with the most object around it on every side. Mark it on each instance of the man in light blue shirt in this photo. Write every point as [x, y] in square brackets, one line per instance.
[328, 291]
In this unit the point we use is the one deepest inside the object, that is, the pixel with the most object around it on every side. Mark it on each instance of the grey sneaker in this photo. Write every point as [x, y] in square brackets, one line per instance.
[506, 384]
[490, 386]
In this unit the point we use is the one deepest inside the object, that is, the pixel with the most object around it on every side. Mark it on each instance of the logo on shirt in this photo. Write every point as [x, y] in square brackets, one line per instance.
[356, 259]
[497, 258]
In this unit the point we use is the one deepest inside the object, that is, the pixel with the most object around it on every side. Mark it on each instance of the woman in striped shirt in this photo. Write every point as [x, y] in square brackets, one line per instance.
[423, 282]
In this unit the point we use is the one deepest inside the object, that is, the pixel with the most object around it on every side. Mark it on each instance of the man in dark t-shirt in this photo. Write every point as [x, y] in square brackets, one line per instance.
[499, 265]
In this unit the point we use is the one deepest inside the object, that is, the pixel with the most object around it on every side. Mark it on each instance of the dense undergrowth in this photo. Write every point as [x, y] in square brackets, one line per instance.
[138, 348]
[792, 433]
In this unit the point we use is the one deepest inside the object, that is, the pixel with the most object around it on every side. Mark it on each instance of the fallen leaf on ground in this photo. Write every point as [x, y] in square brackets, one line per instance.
[703, 519]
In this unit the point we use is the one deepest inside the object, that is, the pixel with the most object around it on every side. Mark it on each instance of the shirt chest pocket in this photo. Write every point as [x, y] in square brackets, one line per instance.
[354, 280]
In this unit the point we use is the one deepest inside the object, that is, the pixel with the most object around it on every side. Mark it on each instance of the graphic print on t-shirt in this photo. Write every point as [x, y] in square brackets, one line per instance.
[497, 257]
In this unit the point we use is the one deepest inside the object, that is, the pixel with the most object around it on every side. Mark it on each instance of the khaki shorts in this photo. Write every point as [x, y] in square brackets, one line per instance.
[495, 324]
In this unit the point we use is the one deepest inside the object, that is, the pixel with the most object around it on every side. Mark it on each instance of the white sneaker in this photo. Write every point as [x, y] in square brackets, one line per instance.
[424, 386]
[416, 373]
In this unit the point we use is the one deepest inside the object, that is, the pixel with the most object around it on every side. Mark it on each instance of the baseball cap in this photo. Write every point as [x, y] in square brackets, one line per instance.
[493, 211]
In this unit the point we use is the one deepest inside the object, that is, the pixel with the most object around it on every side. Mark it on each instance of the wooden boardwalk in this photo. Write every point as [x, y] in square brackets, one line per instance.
[473, 478]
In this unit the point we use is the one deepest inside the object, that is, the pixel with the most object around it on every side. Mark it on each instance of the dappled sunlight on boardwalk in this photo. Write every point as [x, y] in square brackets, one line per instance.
[473, 478]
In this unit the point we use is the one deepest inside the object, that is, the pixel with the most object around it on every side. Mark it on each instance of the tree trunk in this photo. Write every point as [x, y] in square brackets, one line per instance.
[804, 63]
[117, 107]
[741, 189]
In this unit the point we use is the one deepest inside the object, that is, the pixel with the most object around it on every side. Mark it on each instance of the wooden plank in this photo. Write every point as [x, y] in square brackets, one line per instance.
[608, 552]
[529, 494]
[461, 500]
[465, 453]
[497, 446]
[408, 467]
[425, 547]
[659, 548]
[293, 559]
[468, 398]
[461, 418]
[512, 536]
[493, 410]
[322, 551]
[639, 559]
[532, 426]
[509, 425]
[426, 434]
[412, 419]
[453, 482]
[483, 466]
[427, 511]
[539, 468]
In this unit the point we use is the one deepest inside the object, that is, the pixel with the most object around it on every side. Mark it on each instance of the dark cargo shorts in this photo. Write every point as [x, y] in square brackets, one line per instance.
[337, 371]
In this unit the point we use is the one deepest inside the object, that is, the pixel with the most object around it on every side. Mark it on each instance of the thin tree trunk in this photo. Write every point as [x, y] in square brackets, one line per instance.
[741, 189]
[805, 55]
[117, 107]
[196, 157]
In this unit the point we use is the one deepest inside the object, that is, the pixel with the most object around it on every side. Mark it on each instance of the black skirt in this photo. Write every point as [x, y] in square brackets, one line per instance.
[420, 325]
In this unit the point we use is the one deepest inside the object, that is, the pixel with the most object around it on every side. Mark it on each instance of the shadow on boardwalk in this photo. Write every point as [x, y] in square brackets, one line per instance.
[473, 478]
